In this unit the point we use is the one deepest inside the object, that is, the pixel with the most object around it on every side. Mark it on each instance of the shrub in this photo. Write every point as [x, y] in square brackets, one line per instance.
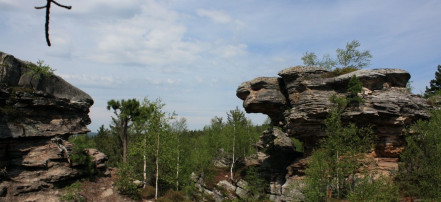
[370, 189]
[147, 192]
[72, 192]
[78, 155]
[40, 69]
[256, 183]
[419, 172]
[332, 167]
[172, 196]
[125, 184]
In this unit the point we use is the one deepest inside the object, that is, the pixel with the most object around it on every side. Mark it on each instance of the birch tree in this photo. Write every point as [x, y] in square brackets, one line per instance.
[178, 128]
[236, 121]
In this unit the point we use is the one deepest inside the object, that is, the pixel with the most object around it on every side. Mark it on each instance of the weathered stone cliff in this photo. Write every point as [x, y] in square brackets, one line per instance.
[37, 114]
[299, 101]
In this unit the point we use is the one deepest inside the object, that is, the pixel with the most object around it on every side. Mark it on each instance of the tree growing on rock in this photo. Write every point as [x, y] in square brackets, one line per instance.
[350, 57]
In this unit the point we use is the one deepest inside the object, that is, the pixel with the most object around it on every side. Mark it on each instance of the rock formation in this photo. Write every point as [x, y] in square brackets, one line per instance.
[38, 113]
[298, 102]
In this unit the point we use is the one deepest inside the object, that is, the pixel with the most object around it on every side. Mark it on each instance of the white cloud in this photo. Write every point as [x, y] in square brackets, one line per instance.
[216, 16]
[228, 51]
[96, 81]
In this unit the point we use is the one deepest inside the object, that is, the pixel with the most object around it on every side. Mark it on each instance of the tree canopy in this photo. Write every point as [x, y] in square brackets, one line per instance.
[435, 84]
[350, 57]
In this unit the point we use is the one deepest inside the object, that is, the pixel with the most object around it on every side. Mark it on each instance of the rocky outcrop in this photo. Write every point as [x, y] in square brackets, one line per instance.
[298, 101]
[38, 113]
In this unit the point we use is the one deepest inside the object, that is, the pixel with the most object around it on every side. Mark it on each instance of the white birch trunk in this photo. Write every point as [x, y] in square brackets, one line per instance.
[232, 163]
[177, 171]
[144, 174]
[157, 167]
[145, 160]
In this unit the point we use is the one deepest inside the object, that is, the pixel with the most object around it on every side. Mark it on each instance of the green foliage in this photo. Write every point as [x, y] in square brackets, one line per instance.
[419, 171]
[256, 184]
[297, 144]
[371, 188]
[72, 192]
[354, 87]
[347, 59]
[435, 84]
[40, 69]
[318, 175]
[125, 111]
[110, 143]
[180, 151]
[332, 167]
[435, 99]
[172, 196]
[351, 57]
[310, 59]
[125, 184]
[79, 156]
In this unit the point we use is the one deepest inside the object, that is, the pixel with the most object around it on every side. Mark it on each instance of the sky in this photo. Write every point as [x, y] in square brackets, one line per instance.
[193, 54]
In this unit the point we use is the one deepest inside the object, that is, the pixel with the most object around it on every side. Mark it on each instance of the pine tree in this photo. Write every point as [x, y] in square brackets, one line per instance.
[126, 111]
[435, 84]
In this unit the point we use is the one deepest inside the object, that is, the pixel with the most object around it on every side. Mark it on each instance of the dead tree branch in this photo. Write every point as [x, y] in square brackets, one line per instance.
[48, 7]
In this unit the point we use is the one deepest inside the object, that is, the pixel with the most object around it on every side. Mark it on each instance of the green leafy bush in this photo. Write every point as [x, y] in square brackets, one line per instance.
[79, 157]
[333, 166]
[172, 196]
[125, 184]
[419, 172]
[369, 188]
[40, 69]
[72, 192]
[256, 184]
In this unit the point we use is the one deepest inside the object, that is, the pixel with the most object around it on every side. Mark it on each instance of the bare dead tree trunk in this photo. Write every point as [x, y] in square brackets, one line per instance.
[48, 8]
[125, 140]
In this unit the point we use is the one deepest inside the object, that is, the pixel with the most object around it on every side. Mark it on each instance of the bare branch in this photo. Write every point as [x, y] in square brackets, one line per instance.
[60, 5]
[48, 7]
[39, 7]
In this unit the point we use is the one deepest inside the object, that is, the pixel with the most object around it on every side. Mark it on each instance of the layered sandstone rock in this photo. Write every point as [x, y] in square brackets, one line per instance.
[37, 114]
[298, 102]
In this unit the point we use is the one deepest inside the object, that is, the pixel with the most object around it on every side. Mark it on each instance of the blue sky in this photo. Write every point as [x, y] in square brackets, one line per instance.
[194, 53]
